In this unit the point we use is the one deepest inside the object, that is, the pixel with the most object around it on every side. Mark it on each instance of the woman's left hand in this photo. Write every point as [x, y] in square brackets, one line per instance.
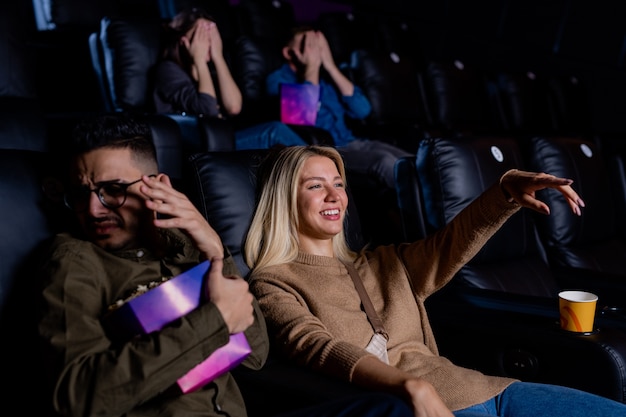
[521, 186]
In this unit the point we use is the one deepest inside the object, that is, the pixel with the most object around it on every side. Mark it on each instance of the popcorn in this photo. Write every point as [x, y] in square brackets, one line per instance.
[141, 289]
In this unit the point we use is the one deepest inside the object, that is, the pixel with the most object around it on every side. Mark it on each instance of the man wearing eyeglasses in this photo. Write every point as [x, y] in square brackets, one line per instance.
[136, 229]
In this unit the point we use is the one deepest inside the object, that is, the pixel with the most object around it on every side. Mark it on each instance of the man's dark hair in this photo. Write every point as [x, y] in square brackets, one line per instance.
[290, 34]
[115, 131]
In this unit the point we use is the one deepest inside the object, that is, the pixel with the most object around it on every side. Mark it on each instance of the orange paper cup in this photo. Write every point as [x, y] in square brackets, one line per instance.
[577, 310]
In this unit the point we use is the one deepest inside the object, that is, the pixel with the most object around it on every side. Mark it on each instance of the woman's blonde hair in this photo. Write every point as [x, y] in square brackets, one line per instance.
[273, 235]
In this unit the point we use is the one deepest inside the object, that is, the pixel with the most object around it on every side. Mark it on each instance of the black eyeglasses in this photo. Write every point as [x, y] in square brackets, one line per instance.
[112, 195]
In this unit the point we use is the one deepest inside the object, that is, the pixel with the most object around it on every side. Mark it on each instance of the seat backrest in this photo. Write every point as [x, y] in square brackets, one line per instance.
[254, 58]
[410, 200]
[351, 30]
[268, 19]
[123, 53]
[344, 32]
[525, 104]
[22, 124]
[65, 15]
[458, 99]
[452, 173]
[392, 85]
[21, 117]
[571, 104]
[223, 187]
[24, 223]
[592, 241]
[27, 219]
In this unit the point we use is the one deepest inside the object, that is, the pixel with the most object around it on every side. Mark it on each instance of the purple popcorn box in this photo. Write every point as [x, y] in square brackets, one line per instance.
[165, 303]
[299, 103]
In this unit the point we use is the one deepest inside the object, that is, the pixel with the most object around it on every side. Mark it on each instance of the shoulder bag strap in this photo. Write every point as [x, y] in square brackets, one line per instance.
[375, 321]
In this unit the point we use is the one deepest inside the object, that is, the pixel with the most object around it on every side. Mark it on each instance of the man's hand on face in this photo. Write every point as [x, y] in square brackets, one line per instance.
[175, 210]
[305, 54]
[326, 55]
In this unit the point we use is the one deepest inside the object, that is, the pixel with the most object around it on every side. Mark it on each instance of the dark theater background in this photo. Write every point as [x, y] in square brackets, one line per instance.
[45, 53]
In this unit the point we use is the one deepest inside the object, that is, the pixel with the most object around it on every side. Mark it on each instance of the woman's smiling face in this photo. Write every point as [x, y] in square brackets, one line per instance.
[322, 200]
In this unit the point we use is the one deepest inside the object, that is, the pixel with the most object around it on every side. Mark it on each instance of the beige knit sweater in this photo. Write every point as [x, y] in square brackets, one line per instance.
[314, 312]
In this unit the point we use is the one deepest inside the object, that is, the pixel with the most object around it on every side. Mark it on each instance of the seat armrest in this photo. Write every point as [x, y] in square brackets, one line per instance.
[216, 134]
[609, 287]
[200, 134]
[521, 338]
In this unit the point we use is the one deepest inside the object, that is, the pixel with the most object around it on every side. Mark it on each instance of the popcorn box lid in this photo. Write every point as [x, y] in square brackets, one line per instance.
[157, 307]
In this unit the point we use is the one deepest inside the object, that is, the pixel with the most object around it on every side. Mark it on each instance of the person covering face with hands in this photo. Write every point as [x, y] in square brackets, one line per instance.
[308, 59]
[184, 81]
[301, 276]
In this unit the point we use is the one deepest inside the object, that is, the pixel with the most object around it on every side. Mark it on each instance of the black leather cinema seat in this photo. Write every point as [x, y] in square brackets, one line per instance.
[524, 103]
[586, 252]
[452, 173]
[459, 99]
[392, 85]
[28, 217]
[499, 314]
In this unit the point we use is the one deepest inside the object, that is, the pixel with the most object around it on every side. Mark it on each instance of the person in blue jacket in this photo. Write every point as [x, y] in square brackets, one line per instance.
[306, 53]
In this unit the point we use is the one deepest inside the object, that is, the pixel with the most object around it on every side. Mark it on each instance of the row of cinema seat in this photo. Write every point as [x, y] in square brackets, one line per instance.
[498, 315]
[412, 95]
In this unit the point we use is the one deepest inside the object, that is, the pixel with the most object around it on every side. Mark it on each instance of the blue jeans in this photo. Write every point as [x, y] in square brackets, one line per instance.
[369, 404]
[266, 135]
[526, 399]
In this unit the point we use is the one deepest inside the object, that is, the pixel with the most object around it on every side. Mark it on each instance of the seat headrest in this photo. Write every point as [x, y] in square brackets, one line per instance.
[223, 186]
[590, 241]
[458, 98]
[391, 84]
[130, 49]
[22, 124]
[26, 212]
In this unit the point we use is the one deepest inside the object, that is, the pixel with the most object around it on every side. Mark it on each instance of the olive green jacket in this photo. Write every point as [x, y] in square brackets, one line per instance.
[92, 375]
